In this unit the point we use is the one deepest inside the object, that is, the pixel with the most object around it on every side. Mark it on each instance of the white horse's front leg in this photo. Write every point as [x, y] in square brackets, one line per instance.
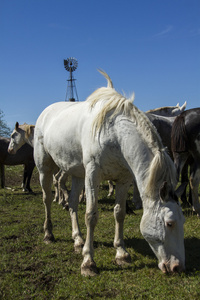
[88, 267]
[63, 192]
[111, 188]
[122, 256]
[56, 176]
[77, 186]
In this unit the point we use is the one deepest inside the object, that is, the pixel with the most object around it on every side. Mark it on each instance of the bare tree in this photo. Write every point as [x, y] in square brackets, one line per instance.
[4, 129]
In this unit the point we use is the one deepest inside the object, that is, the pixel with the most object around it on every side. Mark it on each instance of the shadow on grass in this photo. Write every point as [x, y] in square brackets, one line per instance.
[192, 254]
[131, 267]
[140, 246]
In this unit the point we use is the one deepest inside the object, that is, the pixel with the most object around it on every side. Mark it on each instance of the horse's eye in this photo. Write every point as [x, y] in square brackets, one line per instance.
[169, 224]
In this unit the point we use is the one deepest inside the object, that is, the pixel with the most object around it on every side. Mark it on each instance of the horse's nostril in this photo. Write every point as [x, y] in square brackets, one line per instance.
[165, 269]
[176, 269]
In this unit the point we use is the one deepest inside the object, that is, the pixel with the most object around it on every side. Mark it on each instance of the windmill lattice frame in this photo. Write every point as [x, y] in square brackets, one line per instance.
[71, 65]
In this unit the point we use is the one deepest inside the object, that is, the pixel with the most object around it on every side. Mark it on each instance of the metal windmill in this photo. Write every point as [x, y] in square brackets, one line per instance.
[71, 65]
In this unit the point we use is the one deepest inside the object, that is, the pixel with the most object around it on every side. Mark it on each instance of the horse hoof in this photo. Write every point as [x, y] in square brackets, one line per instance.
[66, 206]
[123, 260]
[63, 203]
[89, 269]
[49, 239]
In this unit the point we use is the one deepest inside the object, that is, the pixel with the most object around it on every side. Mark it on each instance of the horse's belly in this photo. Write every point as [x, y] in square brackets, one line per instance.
[114, 172]
[69, 161]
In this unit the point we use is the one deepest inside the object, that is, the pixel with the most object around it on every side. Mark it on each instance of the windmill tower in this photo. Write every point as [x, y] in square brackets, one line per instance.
[71, 65]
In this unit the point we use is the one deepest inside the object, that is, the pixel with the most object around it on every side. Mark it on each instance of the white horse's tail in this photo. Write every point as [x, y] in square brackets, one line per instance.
[109, 84]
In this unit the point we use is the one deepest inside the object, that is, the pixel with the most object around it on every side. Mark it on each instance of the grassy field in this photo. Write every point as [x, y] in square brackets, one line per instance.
[30, 269]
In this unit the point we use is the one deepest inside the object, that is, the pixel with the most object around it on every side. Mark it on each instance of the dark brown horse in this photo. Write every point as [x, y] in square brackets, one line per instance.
[185, 143]
[24, 156]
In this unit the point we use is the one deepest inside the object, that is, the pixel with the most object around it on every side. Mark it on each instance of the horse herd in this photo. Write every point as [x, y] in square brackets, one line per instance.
[106, 137]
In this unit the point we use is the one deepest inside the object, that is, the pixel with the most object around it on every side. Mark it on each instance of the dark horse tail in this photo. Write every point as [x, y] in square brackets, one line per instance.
[179, 139]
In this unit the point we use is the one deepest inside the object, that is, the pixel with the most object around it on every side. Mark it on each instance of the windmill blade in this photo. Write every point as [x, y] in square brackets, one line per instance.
[70, 64]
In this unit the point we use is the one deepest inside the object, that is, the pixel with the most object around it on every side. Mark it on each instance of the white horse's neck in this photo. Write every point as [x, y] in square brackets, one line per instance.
[136, 153]
[151, 166]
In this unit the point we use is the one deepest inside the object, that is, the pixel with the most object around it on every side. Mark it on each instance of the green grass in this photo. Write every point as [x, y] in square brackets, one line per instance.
[30, 269]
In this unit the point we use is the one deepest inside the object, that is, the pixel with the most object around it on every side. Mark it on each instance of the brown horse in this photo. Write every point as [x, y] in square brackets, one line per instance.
[24, 156]
[185, 142]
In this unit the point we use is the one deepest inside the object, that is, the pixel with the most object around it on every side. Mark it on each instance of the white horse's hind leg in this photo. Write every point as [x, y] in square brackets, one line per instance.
[88, 267]
[122, 256]
[46, 182]
[77, 186]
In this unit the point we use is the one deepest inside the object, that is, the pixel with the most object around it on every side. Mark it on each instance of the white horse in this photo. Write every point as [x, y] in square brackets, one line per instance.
[106, 137]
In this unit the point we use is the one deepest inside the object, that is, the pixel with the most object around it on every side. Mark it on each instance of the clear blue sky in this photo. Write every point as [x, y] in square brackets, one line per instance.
[150, 47]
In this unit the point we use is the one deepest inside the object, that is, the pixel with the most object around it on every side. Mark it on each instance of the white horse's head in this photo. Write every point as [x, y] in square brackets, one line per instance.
[162, 228]
[19, 137]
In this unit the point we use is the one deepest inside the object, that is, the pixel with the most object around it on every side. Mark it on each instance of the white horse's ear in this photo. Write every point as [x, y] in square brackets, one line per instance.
[16, 125]
[164, 191]
[179, 191]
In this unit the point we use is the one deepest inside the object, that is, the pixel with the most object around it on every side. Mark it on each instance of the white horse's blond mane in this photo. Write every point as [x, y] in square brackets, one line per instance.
[118, 104]
[162, 167]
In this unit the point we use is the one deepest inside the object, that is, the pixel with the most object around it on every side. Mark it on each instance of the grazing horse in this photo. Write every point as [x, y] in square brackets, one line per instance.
[107, 137]
[22, 157]
[185, 140]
